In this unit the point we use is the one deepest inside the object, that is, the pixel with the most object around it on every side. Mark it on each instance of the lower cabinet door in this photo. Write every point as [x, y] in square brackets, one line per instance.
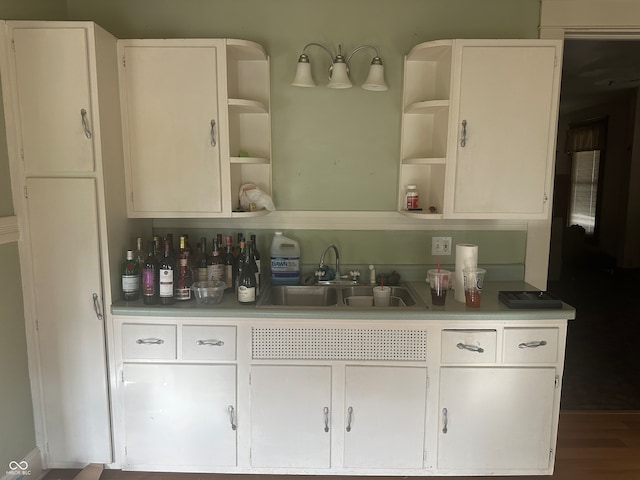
[495, 419]
[385, 417]
[290, 416]
[180, 415]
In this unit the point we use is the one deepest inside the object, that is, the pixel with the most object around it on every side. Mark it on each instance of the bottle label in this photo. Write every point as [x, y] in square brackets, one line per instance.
[166, 283]
[148, 282]
[202, 275]
[246, 294]
[130, 283]
[412, 201]
[183, 294]
[284, 267]
[215, 271]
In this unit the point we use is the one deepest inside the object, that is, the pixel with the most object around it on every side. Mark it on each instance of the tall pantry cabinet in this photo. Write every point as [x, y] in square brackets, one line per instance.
[61, 104]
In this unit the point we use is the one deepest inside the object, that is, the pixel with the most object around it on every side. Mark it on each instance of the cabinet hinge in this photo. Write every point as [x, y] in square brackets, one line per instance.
[557, 381]
[124, 61]
[13, 45]
[122, 376]
[131, 198]
[555, 61]
[550, 455]
[22, 154]
[545, 198]
[424, 457]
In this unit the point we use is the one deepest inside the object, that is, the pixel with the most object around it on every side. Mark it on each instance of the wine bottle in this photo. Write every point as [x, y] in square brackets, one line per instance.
[215, 265]
[256, 258]
[166, 273]
[158, 249]
[247, 279]
[201, 261]
[229, 266]
[254, 266]
[184, 280]
[139, 255]
[130, 272]
[240, 261]
[150, 277]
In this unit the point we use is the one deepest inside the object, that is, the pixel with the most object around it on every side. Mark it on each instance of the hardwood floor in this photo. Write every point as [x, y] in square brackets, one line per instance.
[592, 445]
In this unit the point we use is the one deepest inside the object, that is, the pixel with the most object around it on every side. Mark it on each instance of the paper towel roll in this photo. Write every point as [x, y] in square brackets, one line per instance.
[466, 257]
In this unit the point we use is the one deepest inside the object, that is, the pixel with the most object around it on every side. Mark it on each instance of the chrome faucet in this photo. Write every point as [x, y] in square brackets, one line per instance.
[335, 249]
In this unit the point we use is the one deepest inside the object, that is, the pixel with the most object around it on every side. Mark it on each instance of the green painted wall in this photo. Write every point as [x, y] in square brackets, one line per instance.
[332, 150]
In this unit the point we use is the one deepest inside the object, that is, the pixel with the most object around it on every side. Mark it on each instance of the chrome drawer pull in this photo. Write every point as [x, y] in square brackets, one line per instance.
[211, 342]
[349, 415]
[471, 348]
[85, 126]
[232, 417]
[445, 420]
[539, 343]
[149, 341]
[96, 306]
[213, 133]
[326, 418]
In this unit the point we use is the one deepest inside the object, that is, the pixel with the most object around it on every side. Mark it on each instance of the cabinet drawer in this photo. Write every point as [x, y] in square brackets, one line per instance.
[530, 345]
[157, 342]
[468, 346]
[206, 342]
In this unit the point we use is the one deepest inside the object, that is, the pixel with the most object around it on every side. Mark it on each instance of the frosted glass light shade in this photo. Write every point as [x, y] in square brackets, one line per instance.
[303, 76]
[339, 76]
[375, 79]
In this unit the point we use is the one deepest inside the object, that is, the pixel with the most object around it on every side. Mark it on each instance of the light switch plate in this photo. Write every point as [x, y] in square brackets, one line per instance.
[440, 245]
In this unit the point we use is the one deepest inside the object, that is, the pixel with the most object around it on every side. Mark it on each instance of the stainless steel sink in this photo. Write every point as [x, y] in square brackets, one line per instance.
[302, 296]
[323, 296]
[362, 296]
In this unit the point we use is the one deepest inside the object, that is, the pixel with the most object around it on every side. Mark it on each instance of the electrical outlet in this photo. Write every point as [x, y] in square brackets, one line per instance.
[440, 245]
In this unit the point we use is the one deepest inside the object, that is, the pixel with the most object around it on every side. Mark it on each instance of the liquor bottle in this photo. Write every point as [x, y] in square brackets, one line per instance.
[166, 271]
[150, 277]
[215, 266]
[130, 272]
[254, 266]
[247, 279]
[256, 257]
[158, 249]
[229, 266]
[139, 255]
[240, 261]
[184, 280]
[169, 239]
[223, 253]
[201, 261]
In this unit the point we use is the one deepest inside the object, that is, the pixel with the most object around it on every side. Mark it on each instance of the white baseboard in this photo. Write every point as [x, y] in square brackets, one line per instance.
[28, 468]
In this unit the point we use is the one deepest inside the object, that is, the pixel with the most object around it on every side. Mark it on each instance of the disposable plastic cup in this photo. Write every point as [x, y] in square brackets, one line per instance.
[438, 281]
[381, 296]
[473, 280]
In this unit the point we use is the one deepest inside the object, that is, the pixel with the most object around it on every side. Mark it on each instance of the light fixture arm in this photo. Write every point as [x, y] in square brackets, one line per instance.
[376, 59]
[304, 50]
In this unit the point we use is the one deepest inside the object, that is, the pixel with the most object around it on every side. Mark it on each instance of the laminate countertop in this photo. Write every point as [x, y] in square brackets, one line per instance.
[491, 308]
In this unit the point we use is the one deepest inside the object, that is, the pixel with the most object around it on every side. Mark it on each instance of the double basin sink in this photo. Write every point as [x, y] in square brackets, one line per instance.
[335, 296]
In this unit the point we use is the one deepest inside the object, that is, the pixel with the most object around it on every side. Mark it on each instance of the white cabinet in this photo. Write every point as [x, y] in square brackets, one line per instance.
[503, 127]
[478, 128]
[196, 124]
[385, 417]
[64, 136]
[495, 419]
[179, 415]
[291, 415]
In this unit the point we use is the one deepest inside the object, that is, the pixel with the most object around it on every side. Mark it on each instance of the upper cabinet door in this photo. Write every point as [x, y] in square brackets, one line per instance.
[171, 124]
[52, 81]
[502, 130]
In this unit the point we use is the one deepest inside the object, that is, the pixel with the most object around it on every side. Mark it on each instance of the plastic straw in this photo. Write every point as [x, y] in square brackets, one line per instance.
[438, 265]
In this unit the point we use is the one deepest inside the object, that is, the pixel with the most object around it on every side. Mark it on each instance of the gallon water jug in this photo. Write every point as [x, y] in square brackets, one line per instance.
[285, 260]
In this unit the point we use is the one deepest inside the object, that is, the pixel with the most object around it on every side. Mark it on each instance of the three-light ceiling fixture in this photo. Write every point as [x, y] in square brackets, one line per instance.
[339, 70]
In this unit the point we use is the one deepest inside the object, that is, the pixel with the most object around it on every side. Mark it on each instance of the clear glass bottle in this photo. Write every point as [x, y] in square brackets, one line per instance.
[240, 261]
[140, 255]
[256, 258]
[229, 266]
[184, 280]
[150, 277]
[130, 272]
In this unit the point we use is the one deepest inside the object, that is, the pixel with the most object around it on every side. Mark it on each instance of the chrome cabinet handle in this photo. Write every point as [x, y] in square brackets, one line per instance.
[96, 306]
[349, 416]
[471, 348]
[445, 420]
[534, 344]
[326, 418]
[85, 127]
[150, 341]
[463, 137]
[213, 132]
[211, 342]
[232, 417]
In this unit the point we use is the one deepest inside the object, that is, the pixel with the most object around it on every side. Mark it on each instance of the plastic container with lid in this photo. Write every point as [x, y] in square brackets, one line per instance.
[412, 198]
[285, 260]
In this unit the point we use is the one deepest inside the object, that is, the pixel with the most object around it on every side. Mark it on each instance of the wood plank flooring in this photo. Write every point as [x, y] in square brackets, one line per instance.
[592, 445]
